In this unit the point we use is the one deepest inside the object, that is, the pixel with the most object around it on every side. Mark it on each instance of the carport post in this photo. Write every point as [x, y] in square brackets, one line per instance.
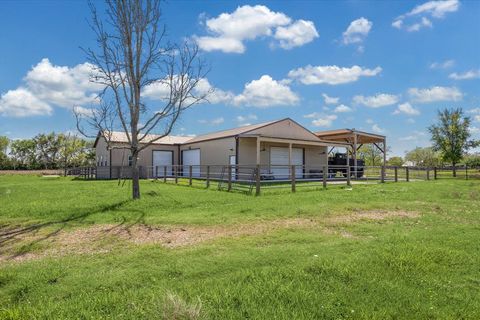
[190, 175]
[165, 174]
[257, 180]
[355, 163]
[292, 174]
[324, 176]
[208, 176]
[229, 178]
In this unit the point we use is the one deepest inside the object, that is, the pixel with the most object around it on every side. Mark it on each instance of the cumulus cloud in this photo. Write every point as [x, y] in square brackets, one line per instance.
[266, 92]
[443, 64]
[468, 75]
[245, 120]
[330, 100]
[230, 30]
[357, 31]
[213, 122]
[342, 109]
[321, 120]
[22, 103]
[332, 75]
[435, 94]
[377, 129]
[297, 34]
[47, 85]
[377, 101]
[430, 9]
[406, 108]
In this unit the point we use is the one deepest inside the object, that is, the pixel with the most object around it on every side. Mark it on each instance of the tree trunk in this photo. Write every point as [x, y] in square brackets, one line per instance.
[135, 177]
[454, 170]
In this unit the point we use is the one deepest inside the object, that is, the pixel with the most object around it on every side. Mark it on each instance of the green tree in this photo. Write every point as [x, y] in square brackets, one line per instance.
[424, 157]
[451, 135]
[395, 161]
[24, 153]
[5, 162]
[371, 155]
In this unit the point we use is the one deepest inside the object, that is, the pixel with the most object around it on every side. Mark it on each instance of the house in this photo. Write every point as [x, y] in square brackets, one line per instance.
[274, 145]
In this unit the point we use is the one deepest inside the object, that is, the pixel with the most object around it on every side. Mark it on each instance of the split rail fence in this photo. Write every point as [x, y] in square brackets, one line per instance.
[251, 179]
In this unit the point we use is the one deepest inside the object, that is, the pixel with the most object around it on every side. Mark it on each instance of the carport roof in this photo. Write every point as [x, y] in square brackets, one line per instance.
[348, 135]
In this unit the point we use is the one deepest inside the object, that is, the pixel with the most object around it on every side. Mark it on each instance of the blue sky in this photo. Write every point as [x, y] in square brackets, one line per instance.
[379, 66]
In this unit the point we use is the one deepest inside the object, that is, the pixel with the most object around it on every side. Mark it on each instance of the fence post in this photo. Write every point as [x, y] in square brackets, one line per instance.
[208, 176]
[165, 174]
[348, 175]
[257, 180]
[466, 172]
[176, 174]
[229, 168]
[292, 175]
[407, 174]
[382, 172]
[428, 174]
[396, 173]
[324, 176]
[434, 173]
[189, 175]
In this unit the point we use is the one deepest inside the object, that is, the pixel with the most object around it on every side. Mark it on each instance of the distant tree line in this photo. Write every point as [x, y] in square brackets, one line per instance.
[45, 151]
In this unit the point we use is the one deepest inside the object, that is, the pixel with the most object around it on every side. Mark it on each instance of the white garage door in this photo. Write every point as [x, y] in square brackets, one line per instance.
[160, 160]
[191, 158]
[279, 162]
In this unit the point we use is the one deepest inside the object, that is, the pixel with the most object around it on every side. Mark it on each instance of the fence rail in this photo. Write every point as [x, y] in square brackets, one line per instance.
[247, 178]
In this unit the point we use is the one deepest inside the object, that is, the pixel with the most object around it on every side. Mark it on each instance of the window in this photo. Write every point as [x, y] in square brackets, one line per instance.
[130, 161]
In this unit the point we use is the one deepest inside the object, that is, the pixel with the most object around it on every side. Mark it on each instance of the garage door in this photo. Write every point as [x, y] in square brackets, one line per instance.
[191, 158]
[160, 160]
[279, 162]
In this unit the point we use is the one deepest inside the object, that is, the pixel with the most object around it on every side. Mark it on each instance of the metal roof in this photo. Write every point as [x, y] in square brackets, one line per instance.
[348, 135]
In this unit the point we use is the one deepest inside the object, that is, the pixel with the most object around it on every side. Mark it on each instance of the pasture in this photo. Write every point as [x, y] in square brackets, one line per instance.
[73, 249]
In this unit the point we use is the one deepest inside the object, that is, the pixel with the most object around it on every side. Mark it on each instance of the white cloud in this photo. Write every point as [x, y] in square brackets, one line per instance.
[415, 136]
[474, 111]
[369, 121]
[228, 31]
[22, 103]
[342, 109]
[411, 120]
[297, 34]
[321, 120]
[470, 74]
[357, 31]
[376, 128]
[245, 120]
[332, 75]
[213, 122]
[47, 85]
[376, 101]
[442, 65]
[266, 92]
[330, 100]
[432, 9]
[434, 94]
[406, 108]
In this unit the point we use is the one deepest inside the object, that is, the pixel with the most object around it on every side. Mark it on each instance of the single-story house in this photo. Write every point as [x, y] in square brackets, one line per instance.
[274, 144]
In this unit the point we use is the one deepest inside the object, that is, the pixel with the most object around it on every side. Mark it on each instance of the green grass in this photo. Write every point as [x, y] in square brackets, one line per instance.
[398, 268]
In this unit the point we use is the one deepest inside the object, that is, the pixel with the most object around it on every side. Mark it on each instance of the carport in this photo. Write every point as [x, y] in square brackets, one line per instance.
[356, 139]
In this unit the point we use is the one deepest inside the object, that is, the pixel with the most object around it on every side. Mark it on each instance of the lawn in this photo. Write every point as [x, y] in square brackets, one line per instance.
[72, 249]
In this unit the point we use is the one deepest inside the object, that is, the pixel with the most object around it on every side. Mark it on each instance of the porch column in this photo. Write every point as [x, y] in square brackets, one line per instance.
[289, 154]
[355, 155]
[258, 151]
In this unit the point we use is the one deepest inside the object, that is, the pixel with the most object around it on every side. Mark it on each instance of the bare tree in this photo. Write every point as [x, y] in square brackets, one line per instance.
[132, 55]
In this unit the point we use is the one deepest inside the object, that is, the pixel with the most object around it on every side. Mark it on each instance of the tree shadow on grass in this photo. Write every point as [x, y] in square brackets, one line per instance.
[11, 236]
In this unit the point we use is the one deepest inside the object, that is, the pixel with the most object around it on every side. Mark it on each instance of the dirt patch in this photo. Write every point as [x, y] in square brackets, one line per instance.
[104, 238]
[372, 215]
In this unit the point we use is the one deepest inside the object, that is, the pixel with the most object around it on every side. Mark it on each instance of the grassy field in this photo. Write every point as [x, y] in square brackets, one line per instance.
[82, 250]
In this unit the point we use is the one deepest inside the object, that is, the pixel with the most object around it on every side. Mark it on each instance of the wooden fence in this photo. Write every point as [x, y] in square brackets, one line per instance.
[251, 179]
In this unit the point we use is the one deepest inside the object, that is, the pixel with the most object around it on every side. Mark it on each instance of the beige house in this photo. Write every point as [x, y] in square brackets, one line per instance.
[274, 145]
